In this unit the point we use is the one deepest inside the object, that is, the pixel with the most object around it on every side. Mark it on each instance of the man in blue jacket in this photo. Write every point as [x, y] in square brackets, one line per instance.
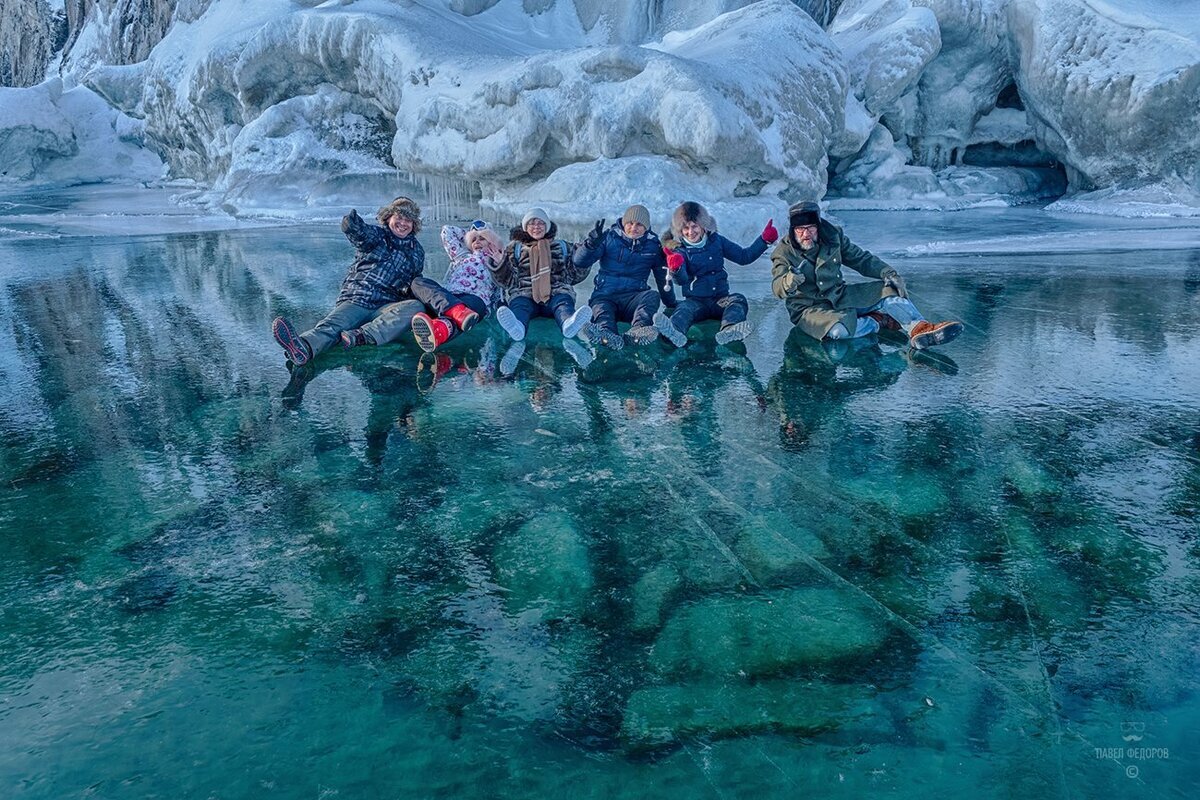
[628, 252]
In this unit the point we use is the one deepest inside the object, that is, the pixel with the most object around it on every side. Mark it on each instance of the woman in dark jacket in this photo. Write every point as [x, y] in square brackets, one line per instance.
[538, 279]
[375, 304]
[628, 252]
[696, 256]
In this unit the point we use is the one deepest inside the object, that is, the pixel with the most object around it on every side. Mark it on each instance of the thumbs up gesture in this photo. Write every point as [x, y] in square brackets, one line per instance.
[769, 234]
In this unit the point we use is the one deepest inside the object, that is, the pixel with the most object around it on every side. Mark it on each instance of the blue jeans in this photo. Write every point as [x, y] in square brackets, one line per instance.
[559, 306]
[900, 309]
[381, 325]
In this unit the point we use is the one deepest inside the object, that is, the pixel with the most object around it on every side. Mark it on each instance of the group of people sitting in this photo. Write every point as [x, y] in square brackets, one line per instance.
[385, 295]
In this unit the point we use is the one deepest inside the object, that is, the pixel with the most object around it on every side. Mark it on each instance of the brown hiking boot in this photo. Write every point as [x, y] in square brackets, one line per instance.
[927, 334]
[886, 323]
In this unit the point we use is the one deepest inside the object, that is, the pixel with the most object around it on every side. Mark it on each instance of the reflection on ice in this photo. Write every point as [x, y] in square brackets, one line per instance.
[788, 564]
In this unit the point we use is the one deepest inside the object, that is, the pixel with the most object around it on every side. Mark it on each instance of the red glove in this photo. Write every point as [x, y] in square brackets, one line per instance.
[769, 234]
[674, 260]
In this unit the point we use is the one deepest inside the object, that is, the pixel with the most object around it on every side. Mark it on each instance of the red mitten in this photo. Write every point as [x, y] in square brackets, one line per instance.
[674, 260]
[769, 234]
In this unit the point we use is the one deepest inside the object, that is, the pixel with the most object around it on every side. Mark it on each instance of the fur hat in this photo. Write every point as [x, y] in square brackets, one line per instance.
[402, 206]
[806, 212]
[691, 212]
[535, 213]
[492, 241]
[637, 213]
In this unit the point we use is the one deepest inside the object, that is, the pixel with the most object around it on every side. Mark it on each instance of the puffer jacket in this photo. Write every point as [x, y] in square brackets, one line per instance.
[703, 272]
[512, 273]
[469, 272]
[384, 264]
[625, 264]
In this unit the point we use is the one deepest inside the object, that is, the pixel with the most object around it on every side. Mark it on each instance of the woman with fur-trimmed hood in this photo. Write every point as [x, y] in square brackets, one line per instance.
[538, 276]
[375, 304]
[696, 256]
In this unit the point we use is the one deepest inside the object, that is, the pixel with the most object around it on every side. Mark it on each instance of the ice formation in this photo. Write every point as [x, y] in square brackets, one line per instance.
[586, 106]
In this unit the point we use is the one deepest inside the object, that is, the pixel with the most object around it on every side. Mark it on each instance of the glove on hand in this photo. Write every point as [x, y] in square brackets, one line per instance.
[350, 219]
[595, 235]
[894, 280]
[769, 234]
[674, 260]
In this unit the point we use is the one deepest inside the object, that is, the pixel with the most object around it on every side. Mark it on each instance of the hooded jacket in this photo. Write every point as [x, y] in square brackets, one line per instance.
[703, 273]
[625, 264]
[384, 264]
[469, 272]
[512, 273]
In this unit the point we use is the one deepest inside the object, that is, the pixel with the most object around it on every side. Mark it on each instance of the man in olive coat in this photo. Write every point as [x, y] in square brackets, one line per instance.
[806, 273]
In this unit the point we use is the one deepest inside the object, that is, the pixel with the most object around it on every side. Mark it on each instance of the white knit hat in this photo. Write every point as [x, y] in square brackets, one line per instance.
[535, 213]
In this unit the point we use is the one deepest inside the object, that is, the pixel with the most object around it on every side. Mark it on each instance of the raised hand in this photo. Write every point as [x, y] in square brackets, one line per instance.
[595, 235]
[769, 234]
[674, 259]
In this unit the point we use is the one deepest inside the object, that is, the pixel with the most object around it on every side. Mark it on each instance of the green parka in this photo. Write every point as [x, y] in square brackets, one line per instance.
[812, 286]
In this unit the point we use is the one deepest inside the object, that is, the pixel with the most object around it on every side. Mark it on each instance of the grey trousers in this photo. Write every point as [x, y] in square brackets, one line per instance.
[382, 325]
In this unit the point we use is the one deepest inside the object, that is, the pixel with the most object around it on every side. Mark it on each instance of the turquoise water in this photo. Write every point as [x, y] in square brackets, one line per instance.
[764, 572]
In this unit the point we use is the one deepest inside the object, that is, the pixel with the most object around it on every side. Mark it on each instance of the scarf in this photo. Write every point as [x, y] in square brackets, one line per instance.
[540, 263]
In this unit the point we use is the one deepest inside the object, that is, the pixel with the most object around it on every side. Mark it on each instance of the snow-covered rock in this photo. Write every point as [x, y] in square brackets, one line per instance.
[725, 118]
[587, 105]
[1114, 95]
[48, 136]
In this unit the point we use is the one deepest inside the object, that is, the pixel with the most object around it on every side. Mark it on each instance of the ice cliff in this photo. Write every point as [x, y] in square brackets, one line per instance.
[585, 106]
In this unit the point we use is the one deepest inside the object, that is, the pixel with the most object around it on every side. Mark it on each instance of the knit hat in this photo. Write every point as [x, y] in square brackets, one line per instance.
[636, 213]
[806, 212]
[535, 213]
[402, 206]
[691, 212]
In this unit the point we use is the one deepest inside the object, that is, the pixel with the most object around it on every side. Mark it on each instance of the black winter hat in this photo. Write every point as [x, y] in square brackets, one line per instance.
[806, 212]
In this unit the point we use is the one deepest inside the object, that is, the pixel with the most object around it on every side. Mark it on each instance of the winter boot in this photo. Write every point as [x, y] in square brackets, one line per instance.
[642, 335]
[927, 334]
[667, 328]
[462, 316]
[512, 326]
[599, 335]
[431, 333]
[734, 333]
[353, 338]
[574, 323]
[298, 351]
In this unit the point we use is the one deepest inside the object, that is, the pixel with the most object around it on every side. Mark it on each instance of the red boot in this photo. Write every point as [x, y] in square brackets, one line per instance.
[885, 322]
[432, 333]
[462, 316]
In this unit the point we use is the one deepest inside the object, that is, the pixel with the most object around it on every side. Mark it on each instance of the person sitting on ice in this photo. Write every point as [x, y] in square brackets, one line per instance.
[806, 272]
[469, 293]
[375, 304]
[696, 256]
[628, 253]
[538, 277]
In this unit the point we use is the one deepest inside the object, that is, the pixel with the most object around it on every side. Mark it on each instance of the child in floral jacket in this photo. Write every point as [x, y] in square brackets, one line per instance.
[469, 293]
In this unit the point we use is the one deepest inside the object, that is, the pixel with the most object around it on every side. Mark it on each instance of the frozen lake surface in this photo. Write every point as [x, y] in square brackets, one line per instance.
[710, 572]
